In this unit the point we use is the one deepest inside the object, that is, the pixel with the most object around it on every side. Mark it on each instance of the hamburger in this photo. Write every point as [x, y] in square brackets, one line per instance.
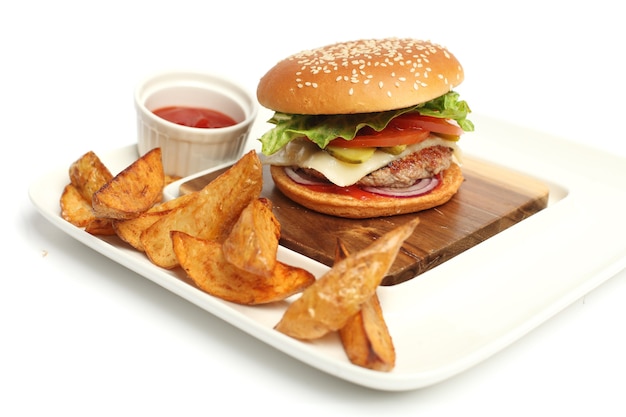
[366, 128]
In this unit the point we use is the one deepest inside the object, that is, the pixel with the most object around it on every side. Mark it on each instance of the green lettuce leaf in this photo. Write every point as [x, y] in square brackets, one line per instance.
[321, 129]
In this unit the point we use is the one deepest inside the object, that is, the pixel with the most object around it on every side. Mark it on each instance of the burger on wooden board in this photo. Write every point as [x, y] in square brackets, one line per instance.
[366, 128]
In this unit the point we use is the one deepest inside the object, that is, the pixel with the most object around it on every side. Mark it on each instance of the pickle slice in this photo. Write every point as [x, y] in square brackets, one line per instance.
[394, 150]
[350, 155]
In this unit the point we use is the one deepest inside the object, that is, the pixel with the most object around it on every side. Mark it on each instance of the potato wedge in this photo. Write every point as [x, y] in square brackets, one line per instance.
[75, 208]
[134, 190]
[88, 174]
[365, 336]
[339, 294]
[130, 230]
[253, 241]
[100, 227]
[210, 214]
[203, 261]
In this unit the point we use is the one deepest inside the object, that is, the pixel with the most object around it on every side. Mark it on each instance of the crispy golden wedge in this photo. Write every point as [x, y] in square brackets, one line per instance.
[253, 241]
[366, 339]
[130, 230]
[88, 174]
[75, 208]
[101, 227]
[339, 294]
[210, 214]
[203, 261]
[365, 336]
[133, 191]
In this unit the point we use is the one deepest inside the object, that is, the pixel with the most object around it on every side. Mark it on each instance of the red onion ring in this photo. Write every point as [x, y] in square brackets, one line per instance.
[420, 187]
[300, 179]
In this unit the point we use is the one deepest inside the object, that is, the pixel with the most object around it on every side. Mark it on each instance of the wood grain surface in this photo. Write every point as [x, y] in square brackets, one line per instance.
[490, 200]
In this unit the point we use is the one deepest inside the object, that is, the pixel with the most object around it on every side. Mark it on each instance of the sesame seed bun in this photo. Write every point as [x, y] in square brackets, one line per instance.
[360, 77]
[341, 205]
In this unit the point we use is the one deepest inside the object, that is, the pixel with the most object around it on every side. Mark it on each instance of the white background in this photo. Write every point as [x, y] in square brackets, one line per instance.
[84, 336]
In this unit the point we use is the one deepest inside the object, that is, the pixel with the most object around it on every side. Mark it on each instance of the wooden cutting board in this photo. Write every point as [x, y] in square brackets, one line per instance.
[490, 200]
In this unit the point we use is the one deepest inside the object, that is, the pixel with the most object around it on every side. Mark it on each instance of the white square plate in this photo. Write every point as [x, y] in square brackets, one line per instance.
[465, 310]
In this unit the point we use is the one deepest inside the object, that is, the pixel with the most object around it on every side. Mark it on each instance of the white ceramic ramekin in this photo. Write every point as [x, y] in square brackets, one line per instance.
[187, 150]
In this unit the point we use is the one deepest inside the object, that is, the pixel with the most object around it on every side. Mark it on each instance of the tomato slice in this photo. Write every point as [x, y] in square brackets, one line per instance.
[432, 124]
[406, 129]
[387, 137]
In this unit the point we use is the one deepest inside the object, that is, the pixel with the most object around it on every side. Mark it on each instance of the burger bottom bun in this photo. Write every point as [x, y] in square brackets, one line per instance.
[353, 208]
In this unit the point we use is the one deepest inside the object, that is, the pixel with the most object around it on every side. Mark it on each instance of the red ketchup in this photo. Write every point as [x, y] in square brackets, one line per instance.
[195, 117]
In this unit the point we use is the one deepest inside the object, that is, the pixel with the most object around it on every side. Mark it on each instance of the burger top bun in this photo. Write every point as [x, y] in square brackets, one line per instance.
[360, 77]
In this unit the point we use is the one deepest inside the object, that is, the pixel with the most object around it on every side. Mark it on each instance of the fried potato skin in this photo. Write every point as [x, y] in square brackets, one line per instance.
[253, 241]
[210, 214]
[100, 227]
[339, 294]
[203, 261]
[365, 336]
[75, 208]
[88, 174]
[134, 190]
[130, 230]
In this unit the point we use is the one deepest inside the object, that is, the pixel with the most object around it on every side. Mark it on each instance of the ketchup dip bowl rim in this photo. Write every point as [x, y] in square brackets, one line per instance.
[187, 150]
